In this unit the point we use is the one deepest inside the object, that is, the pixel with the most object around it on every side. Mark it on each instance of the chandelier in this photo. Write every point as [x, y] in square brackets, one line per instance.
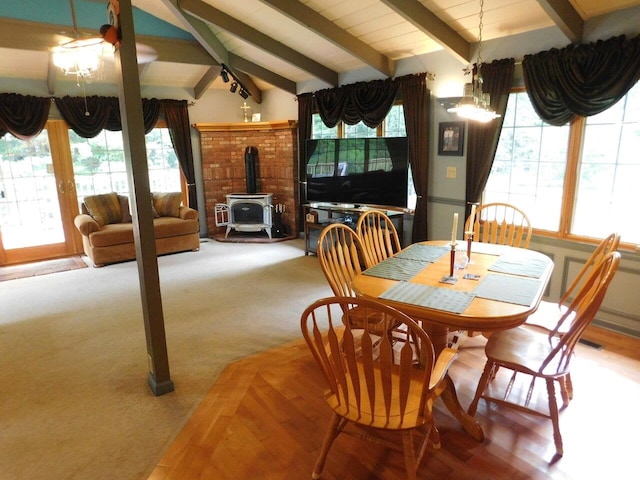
[81, 57]
[475, 104]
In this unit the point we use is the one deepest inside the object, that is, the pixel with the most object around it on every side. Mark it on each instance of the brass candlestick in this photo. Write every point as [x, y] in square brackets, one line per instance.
[453, 258]
[469, 240]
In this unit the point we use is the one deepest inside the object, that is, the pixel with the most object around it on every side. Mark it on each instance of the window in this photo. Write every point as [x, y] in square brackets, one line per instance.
[538, 168]
[99, 163]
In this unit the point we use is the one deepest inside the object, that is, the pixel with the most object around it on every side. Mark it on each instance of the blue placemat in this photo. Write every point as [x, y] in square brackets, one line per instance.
[525, 267]
[431, 297]
[396, 269]
[423, 253]
[518, 290]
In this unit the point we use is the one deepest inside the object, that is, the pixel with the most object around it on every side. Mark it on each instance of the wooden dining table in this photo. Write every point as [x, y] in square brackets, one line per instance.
[500, 287]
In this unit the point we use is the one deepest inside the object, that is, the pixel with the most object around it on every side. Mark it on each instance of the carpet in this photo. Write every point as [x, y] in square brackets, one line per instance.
[74, 401]
[13, 272]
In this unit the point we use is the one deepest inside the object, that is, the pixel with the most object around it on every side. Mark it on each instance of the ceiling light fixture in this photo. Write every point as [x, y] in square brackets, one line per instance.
[80, 57]
[244, 94]
[234, 87]
[227, 75]
[224, 75]
[475, 104]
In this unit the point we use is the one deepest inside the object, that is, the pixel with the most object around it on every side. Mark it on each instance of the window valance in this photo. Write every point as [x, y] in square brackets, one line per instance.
[581, 80]
[23, 116]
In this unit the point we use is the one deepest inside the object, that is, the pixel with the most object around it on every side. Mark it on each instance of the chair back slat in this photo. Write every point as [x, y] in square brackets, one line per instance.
[379, 236]
[340, 252]
[373, 381]
[501, 223]
[607, 245]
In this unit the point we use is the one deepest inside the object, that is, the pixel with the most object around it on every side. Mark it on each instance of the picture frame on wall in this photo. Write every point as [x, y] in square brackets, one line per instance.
[451, 138]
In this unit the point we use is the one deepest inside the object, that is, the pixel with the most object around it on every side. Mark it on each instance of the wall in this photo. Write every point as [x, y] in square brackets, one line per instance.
[222, 147]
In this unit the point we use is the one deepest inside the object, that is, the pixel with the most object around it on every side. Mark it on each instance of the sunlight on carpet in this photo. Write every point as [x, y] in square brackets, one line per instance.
[13, 272]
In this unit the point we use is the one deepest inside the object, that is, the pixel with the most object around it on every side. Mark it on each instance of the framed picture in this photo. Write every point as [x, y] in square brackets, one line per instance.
[450, 138]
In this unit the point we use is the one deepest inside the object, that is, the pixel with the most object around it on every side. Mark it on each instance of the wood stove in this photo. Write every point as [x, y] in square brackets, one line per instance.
[249, 212]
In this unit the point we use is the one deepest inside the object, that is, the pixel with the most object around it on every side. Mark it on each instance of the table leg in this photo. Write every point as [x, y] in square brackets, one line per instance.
[438, 335]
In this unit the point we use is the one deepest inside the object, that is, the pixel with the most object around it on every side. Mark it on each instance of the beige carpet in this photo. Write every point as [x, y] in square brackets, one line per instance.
[74, 400]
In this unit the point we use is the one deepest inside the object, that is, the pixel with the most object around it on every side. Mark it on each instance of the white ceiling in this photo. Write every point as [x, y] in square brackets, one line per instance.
[265, 47]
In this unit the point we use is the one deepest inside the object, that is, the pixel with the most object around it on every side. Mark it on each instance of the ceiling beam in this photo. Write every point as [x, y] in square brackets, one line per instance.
[309, 18]
[205, 82]
[212, 15]
[415, 13]
[203, 34]
[250, 68]
[565, 17]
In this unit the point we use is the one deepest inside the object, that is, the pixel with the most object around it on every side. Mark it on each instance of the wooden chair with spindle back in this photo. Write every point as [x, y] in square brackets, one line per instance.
[502, 224]
[376, 386]
[544, 355]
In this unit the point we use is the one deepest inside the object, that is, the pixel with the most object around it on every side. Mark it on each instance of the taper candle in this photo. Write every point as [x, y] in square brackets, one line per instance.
[454, 230]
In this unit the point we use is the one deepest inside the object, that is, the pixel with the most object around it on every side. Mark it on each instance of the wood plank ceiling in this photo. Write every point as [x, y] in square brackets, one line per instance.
[284, 43]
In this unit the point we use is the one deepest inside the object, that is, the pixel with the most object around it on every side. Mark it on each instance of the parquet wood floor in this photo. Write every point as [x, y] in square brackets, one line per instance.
[265, 418]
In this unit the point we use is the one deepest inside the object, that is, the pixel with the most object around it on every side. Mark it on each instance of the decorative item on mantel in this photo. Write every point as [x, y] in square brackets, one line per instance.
[246, 112]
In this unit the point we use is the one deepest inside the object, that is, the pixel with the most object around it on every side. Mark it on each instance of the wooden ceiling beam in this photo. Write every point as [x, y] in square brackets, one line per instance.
[414, 12]
[567, 19]
[209, 14]
[312, 20]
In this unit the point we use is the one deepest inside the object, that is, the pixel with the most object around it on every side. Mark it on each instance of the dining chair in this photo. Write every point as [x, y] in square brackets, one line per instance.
[541, 354]
[378, 234]
[500, 223]
[376, 387]
[545, 317]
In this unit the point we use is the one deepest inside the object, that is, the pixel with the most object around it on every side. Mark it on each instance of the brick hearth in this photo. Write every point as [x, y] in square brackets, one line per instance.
[222, 148]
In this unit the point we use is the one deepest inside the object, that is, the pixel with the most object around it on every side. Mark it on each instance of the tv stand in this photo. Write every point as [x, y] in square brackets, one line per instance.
[317, 216]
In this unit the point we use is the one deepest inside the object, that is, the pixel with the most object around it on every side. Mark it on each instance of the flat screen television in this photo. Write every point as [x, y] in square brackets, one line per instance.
[369, 171]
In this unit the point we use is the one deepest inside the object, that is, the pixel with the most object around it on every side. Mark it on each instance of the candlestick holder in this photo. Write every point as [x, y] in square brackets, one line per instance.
[469, 235]
[451, 278]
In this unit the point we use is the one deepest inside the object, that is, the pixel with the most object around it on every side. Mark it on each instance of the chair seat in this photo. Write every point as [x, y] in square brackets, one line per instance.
[546, 317]
[523, 349]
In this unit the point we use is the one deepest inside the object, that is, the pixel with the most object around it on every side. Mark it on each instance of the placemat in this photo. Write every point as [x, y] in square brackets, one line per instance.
[525, 267]
[518, 290]
[423, 253]
[431, 297]
[486, 248]
[396, 269]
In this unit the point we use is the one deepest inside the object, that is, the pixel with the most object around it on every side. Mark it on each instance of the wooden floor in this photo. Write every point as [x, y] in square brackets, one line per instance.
[265, 419]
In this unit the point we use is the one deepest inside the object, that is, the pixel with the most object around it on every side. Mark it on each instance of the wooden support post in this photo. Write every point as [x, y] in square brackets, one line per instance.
[136, 160]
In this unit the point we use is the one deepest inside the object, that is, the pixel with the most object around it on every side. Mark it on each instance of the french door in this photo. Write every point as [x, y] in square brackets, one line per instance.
[37, 197]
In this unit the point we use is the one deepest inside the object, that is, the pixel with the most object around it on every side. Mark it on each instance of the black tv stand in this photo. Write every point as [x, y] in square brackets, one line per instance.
[319, 215]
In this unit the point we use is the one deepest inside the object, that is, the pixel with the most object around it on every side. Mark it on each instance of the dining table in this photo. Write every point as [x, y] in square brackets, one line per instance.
[498, 289]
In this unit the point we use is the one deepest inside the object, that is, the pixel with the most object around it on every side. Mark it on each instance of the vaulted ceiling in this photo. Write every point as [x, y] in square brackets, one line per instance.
[279, 43]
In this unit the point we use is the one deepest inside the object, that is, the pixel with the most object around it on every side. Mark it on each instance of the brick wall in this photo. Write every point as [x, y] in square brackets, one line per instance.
[223, 170]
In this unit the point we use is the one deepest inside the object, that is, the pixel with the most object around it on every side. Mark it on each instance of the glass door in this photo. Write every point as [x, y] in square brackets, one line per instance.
[35, 222]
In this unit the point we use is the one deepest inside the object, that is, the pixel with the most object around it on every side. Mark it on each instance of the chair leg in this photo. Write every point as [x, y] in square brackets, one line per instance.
[553, 412]
[409, 455]
[337, 424]
[487, 374]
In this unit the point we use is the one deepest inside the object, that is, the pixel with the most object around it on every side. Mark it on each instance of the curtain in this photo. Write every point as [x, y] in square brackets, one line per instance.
[176, 113]
[415, 102]
[368, 102]
[23, 116]
[89, 116]
[581, 80]
[482, 140]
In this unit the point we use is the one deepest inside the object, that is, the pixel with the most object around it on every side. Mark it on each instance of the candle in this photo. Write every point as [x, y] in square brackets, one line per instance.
[472, 217]
[454, 230]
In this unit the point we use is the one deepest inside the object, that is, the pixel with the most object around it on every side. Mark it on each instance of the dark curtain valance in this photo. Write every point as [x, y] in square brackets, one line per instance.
[581, 80]
[368, 102]
[89, 116]
[23, 116]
